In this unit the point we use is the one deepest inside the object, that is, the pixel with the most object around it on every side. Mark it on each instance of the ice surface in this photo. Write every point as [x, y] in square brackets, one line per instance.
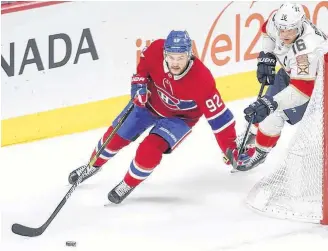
[190, 202]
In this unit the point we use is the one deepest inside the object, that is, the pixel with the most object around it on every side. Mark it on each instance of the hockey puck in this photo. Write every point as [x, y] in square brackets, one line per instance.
[71, 243]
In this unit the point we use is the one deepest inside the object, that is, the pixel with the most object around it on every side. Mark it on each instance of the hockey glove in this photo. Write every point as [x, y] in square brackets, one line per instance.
[231, 156]
[139, 91]
[260, 109]
[266, 68]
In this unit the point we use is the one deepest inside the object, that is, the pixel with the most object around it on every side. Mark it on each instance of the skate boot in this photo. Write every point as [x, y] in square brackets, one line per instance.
[73, 176]
[258, 158]
[119, 193]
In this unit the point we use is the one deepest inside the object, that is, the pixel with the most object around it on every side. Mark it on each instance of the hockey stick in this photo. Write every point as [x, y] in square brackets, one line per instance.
[241, 149]
[32, 232]
[242, 146]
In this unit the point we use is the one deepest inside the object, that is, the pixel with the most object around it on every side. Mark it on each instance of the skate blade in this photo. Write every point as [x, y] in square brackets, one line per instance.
[234, 171]
[111, 204]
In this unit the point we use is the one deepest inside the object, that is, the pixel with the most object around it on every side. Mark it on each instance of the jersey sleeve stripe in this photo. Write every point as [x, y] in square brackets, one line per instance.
[224, 126]
[221, 120]
[217, 115]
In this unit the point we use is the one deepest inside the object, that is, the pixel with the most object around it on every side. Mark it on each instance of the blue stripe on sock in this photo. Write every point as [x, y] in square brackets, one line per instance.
[107, 154]
[137, 172]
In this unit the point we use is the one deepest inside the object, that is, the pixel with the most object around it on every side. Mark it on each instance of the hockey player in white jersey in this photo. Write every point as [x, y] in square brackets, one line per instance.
[293, 41]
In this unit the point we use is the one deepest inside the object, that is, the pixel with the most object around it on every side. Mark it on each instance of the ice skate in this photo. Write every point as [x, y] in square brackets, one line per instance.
[120, 192]
[74, 175]
[257, 159]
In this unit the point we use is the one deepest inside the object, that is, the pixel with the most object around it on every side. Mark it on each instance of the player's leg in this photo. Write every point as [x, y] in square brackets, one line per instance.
[269, 130]
[267, 136]
[166, 135]
[267, 133]
[138, 121]
[281, 81]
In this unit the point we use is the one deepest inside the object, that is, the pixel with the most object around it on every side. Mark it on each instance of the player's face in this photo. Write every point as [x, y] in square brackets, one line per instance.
[288, 36]
[176, 62]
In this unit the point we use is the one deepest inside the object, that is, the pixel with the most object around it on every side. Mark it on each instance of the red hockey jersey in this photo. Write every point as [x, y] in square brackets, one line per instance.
[187, 96]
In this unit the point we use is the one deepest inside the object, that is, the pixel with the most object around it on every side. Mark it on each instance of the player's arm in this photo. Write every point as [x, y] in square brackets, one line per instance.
[140, 80]
[298, 92]
[146, 58]
[219, 117]
[222, 122]
[302, 79]
[143, 67]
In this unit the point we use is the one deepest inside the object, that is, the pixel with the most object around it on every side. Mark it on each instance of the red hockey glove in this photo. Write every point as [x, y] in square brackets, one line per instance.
[231, 156]
[139, 91]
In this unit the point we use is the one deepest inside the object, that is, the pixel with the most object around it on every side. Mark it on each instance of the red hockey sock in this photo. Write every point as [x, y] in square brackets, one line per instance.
[265, 141]
[115, 144]
[148, 156]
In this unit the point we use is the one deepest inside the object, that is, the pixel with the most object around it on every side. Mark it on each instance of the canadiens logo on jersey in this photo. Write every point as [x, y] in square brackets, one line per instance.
[172, 102]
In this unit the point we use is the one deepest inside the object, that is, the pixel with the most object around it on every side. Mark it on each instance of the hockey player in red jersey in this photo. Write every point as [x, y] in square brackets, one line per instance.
[171, 90]
[295, 42]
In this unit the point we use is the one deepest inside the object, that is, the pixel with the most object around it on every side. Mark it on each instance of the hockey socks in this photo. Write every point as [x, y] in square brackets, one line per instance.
[148, 156]
[116, 144]
[266, 142]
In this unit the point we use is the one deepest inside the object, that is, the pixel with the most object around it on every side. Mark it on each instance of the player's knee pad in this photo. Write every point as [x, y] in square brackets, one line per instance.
[273, 124]
[149, 152]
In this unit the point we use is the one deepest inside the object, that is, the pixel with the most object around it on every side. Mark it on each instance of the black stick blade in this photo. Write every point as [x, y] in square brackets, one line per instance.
[26, 231]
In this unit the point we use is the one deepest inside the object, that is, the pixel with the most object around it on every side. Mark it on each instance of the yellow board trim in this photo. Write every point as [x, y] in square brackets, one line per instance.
[80, 118]
[61, 121]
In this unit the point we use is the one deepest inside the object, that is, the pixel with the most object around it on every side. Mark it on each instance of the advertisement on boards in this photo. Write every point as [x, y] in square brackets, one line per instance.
[66, 65]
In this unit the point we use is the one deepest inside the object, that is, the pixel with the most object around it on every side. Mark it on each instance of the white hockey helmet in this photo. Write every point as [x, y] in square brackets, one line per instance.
[290, 16]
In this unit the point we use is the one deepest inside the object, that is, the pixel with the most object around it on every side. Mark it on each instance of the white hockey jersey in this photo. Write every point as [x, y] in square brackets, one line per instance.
[299, 59]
